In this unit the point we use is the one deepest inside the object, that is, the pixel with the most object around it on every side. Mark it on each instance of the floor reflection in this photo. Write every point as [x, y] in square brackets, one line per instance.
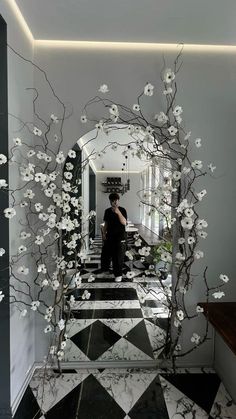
[116, 322]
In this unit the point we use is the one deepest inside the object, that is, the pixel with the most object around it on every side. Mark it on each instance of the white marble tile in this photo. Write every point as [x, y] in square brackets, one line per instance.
[223, 407]
[106, 304]
[76, 325]
[121, 326]
[157, 337]
[123, 350]
[161, 312]
[179, 405]
[126, 386]
[73, 353]
[50, 390]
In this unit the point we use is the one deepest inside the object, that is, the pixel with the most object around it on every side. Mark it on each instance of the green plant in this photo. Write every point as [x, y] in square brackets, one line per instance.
[162, 248]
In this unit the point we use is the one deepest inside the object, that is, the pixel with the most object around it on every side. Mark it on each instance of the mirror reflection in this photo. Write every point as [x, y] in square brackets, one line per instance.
[120, 311]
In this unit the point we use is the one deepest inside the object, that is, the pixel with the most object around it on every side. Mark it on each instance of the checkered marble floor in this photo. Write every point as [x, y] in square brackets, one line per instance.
[114, 323]
[127, 394]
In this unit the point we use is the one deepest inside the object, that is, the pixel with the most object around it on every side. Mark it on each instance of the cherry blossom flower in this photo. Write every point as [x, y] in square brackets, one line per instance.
[211, 167]
[60, 158]
[187, 223]
[136, 108]
[198, 142]
[23, 270]
[130, 274]
[224, 278]
[218, 294]
[103, 88]
[199, 309]
[3, 183]
[9, 212]
[181, 240]
[195, 338]
[54, 119]
[17, 141]
[198, 254]
[148, 89]
[37, 131]
[180, 314]
[177, 110]
[161, 117]
[35, 305]
[201, 194]
[202, 234]
[172, 130]
[191, 240]
[201, 224]
[197, 164]
[3, 159]
[1, 296]
[39, 240]
[2, 251]
[168, 76]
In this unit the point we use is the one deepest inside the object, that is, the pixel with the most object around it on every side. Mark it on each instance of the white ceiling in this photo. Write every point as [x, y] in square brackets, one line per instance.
[159, 21]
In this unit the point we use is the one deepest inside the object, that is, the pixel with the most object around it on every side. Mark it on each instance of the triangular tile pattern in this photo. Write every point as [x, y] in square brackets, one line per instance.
[151, 405]
[28, 407]
[95, 339]
[121, 326]
[138, 336]
[179, 405]
[223, 405]
[202, 389]
[124, 350]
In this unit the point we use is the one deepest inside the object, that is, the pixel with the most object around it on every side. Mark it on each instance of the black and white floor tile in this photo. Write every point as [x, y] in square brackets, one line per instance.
[127, 394]
[115, 323]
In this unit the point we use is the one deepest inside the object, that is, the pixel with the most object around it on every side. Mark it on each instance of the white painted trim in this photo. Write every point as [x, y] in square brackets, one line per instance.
[18, 398]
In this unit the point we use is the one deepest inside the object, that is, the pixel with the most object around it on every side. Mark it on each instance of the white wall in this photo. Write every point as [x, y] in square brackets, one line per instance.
[206, 91]
[20, 76]
[129, 200]
[225, 365]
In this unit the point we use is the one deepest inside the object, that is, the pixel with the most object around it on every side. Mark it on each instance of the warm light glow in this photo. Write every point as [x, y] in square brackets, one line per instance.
[21, 19]
[138, 46]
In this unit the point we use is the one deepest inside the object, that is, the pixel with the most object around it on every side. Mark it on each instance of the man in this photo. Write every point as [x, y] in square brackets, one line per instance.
[114, 237]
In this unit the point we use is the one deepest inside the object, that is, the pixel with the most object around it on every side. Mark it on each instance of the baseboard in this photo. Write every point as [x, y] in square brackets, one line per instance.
[24, 386]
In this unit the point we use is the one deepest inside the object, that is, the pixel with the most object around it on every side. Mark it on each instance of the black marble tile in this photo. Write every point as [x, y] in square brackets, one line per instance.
[160, 322]
[151, 405]
[138, 336]
[89, 400]
[201, 388]
[152, 304]
[28, 407]
[107, 294]
[126, 313]
[65, 371]
[95, 339]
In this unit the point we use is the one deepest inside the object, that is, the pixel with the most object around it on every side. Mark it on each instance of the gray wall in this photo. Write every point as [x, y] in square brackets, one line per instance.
[206, 91]
[225, 365]
[129, 200]
[20, 76]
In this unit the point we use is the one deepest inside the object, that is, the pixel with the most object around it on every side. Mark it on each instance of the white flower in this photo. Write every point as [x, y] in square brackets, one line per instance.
[136, 108]
[34, 305]
[9, 212]
[188, 212]
[3, 159]
[177, 110]
[191, 240]
[197, 164]
[30, 153]
[38, 206]
[166, 257]
[218, 294]
[60, 158]
[68, 175]
[179, 120]
[114, 110]
[39, 240]
[42, 268]
[148, 89]
[145, 251]
[161, 117]
[72, 154]
[167, 91]
[210, 166]
[198, 142]
[130, 274]
[186, 170]
[48, 329]
[23, 270]
[224, 277]
[201, 194]
[55, 284]
[202, 234]
[169, 76]
[172, 130]
[176, 175]
[37, 132]
[199, 309]
[91, 278]
[129, 255]
[40, 177]
[45, 283]
[181, 240]
[180, 314]
[54, 119]
[24, 235]
[17, 141]
[69, 166]
[29, 194]
[2, 251]
[60, 355]
[195, 338]
[86, 295]
[1, 296]
[198, 254]
[138, 243]
[3, 183]
[187, 222]
[103, 88]
[61, 324]
[201, 224]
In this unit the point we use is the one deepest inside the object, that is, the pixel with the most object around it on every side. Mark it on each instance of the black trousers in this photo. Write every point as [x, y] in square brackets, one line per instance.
[113, 251]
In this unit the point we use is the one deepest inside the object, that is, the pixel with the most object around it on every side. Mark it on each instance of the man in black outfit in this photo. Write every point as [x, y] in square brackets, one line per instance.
[114, 237]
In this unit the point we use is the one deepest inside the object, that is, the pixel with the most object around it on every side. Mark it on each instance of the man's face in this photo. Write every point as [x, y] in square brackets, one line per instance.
[115, 203]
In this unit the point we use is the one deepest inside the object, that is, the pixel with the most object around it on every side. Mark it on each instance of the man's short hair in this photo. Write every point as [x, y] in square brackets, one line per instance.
[114, 196]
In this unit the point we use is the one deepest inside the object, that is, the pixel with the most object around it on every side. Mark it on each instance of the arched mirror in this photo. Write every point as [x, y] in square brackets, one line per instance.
[127, 320]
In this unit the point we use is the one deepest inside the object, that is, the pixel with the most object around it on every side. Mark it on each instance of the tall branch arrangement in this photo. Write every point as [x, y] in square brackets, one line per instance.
[47, 203]
[160, 137]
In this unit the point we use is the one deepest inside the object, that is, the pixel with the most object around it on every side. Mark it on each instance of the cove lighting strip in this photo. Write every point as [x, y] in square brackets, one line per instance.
[134, 46]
